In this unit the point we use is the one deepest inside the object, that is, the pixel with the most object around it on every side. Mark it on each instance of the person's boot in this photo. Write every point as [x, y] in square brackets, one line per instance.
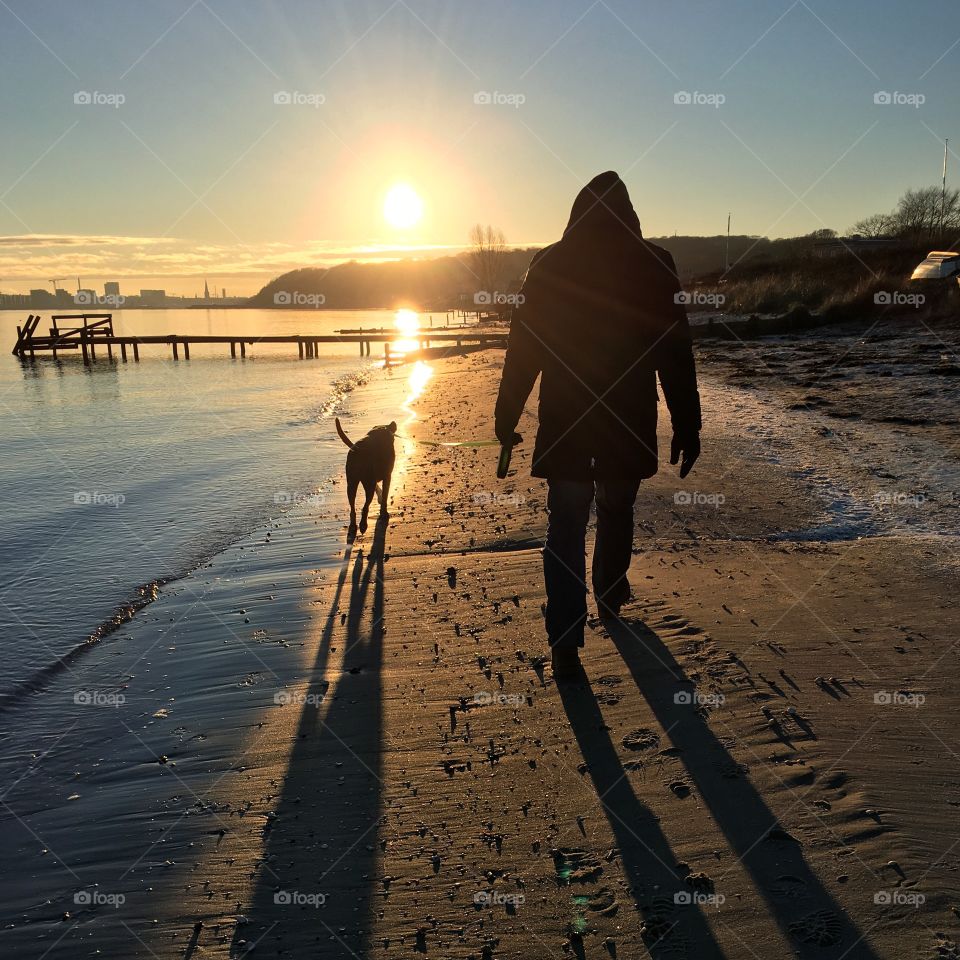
[609, 603]
[566, 664]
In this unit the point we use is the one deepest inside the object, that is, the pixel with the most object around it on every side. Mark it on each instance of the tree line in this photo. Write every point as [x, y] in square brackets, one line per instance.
[923, 214]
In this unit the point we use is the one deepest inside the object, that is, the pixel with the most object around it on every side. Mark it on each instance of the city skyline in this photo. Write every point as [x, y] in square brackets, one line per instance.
[113, 297]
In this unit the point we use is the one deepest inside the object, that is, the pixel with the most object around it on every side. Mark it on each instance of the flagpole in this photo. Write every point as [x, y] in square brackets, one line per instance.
[943, 193]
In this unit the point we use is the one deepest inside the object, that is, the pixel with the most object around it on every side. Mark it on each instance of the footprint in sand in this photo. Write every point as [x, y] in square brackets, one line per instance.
[679, 788]
[822, 928]
[789, 887]
[661, 927]
[701, 882]
[608, 699]
[603, 902]
[575, 866]
[642, 739]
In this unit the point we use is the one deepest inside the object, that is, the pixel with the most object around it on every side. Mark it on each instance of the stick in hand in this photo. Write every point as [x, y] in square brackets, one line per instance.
[506, 451]
[503, 464]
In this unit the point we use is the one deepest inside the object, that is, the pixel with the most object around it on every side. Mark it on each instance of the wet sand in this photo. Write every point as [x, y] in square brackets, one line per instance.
[372, 759]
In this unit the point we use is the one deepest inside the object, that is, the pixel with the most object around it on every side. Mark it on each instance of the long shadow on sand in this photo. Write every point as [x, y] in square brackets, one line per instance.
[313, 889]
[805, 912]
[656, 882]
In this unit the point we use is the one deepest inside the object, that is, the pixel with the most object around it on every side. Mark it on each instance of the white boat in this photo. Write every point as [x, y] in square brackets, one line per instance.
[939, 265]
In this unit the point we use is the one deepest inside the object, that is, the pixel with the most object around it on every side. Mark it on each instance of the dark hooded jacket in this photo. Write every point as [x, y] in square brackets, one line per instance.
[598, 321]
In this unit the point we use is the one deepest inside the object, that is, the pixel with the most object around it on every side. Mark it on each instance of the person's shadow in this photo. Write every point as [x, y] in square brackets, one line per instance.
[673, 925]
[806, 913]
[314, 885]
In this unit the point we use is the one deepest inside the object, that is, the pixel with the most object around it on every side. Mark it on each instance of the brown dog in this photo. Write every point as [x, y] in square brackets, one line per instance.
[370, 464]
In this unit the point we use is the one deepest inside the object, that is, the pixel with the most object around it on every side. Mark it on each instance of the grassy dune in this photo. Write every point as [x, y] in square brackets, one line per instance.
[836, 287]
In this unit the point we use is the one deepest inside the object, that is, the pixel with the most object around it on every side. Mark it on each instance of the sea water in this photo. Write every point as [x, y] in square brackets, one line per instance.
[117, 476]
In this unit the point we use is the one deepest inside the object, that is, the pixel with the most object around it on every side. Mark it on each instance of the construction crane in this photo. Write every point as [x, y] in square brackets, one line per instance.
[55, 282]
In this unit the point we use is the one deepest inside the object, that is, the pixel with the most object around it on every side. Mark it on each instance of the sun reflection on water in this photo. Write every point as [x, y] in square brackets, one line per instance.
[407, 323]
[416, 383]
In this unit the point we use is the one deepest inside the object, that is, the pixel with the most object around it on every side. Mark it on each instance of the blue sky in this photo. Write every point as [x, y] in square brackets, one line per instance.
[199, 172]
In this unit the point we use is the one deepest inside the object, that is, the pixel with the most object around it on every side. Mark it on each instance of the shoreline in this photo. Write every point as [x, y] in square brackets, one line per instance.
[422, 785]
[143, 594]
[157, 703]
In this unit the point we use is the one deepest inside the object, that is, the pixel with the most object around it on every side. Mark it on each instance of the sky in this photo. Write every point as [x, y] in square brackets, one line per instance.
[164, 142]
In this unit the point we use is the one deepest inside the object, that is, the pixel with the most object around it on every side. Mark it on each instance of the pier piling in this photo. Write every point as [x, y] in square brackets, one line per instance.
[83, 333]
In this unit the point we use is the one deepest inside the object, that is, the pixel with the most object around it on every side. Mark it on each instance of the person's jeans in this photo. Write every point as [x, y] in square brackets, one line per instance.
[564, 554]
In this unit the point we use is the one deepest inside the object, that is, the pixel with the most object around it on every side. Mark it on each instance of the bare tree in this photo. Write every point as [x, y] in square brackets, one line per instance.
[488, 253]
[920, 215]
[878, 225]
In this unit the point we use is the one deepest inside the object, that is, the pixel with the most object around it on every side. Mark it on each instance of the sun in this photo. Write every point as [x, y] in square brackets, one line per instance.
[402, 207]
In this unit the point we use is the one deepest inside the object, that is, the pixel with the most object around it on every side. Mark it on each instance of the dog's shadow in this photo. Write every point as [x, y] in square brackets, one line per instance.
[380, 527]
[314, 889]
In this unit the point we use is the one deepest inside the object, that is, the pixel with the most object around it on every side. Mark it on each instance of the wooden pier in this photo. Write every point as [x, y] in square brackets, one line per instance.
[87, 333]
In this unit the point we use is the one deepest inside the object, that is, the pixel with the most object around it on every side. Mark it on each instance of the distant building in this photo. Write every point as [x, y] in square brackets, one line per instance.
[41, 297]
[153, 298]
[111, 289]
[10, 300]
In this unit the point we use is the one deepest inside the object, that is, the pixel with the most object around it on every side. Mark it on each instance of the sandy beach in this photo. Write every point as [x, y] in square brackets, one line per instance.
[368, 757]
[257, 258]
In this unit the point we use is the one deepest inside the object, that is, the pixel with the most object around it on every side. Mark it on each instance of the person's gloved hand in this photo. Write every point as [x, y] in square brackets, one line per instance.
[687, 444]
[508, 438]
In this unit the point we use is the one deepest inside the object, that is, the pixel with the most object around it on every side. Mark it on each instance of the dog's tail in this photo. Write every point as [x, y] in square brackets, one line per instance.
[343, 436]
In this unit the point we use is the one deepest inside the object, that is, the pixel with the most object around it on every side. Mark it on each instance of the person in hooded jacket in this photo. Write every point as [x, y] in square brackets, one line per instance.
[600, 317]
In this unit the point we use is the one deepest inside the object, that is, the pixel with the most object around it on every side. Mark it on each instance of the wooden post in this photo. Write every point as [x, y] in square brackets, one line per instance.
[386, 354]
[186, 349]
[176, 356]
[300, 348]
[83, 346]
[243, 348]
[123, 351]
[233, 349]
[93, 350]
[136, 352]
[109, 350]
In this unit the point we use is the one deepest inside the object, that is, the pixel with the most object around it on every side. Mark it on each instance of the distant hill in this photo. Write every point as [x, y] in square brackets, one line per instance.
[439, 281]
[366, 286]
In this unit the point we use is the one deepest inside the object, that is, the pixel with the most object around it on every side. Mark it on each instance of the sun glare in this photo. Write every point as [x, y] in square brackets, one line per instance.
[402, 207]
[407, 322]
[419, 378]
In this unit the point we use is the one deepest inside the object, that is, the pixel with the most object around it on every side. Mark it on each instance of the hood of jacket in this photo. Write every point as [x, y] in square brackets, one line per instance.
[603, 206]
